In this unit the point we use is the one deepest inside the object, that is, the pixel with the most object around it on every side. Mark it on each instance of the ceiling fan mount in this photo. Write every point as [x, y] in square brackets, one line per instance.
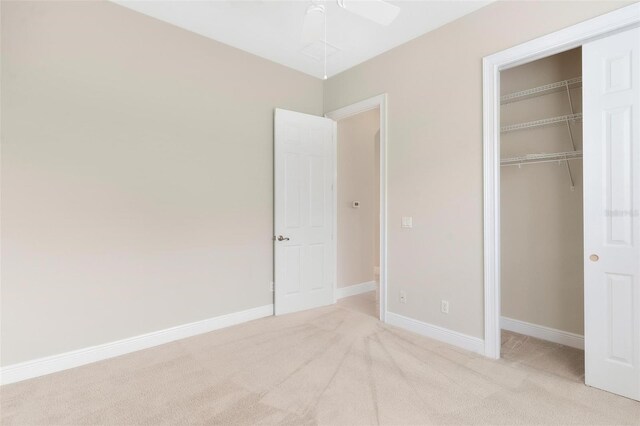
[314, 26]
[378, 11]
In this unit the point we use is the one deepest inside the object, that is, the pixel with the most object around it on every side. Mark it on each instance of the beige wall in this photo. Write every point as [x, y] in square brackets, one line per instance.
[434, 87]
[137, 168]
[358, 173]
[136, 175]
[541, 218]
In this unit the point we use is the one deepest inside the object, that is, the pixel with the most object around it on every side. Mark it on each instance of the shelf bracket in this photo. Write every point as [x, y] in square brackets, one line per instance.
[573, 144]
[566, 85]
[573, 186]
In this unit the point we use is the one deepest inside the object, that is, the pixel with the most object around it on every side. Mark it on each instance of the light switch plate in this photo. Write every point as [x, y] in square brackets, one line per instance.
[407, 222]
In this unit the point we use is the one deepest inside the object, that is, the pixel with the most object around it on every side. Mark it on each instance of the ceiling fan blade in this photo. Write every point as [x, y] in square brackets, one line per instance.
[313, 24]
[378, 11]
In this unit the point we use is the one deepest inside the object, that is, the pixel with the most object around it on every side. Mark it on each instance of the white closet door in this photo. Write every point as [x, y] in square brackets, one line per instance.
[305, 259]
[611, 85]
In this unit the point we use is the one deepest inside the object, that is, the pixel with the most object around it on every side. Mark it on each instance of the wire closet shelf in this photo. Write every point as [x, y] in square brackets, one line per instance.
[562, 119]
[542, 158]
[559, 157]
[558, 86]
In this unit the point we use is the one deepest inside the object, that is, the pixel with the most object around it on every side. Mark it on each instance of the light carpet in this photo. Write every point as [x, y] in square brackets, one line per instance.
[333, 365]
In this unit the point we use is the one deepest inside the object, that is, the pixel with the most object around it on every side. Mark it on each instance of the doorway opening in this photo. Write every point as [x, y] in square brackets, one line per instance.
[360, 200]
[358, 212]
[541, 203]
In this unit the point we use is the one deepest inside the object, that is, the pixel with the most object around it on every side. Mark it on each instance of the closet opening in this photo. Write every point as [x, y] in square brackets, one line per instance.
[541, 215]
[609, 185]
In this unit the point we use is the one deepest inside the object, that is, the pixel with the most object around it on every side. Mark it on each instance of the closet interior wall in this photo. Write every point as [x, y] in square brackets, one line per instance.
[541, 213]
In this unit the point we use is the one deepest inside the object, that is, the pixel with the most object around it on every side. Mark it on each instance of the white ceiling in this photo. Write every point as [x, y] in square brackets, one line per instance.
[272, 29]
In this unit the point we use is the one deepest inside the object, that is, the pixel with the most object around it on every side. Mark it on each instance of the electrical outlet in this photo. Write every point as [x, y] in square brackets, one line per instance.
[271, 286]
[403, 296]
[444, 306]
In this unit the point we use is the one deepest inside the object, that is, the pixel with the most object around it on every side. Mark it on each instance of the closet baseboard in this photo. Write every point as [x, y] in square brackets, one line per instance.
[541, 332]
[355, 289]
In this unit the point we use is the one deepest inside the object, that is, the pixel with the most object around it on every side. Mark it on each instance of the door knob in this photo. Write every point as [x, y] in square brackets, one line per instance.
[281, 238]
[594, 258]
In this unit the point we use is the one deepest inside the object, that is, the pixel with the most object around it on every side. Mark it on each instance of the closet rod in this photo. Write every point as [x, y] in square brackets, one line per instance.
[542, 158]
[541, 123]
[541, 90]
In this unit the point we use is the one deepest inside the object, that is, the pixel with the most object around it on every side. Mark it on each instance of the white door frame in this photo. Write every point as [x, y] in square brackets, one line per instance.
[380, 102]
[619, 20]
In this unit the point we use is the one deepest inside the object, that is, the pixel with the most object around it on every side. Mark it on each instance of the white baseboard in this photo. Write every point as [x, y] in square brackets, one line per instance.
[51, 364]
[442, 334]
[355, 289]
[542, 332]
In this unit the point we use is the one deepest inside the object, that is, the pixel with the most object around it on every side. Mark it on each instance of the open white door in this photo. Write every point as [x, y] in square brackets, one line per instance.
[611, 87]
[304, 247]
